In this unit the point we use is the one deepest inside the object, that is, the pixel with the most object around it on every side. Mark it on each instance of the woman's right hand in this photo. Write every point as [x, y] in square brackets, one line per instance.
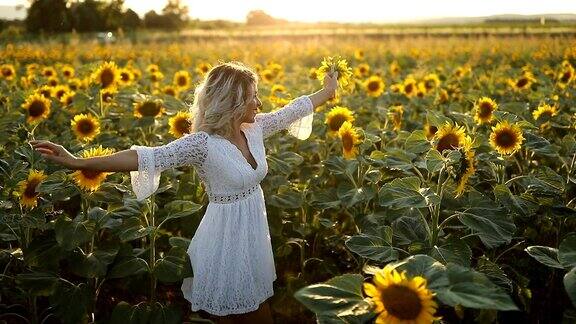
[56, 153]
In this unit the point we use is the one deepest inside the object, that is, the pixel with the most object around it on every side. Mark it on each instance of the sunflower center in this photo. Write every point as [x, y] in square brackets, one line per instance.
[183, 125]
[448, 142]
[408, 88]
[91, 174]
[149, 108]
[336, 121]
[182, 81]
[485, 110]
[107, 96]
[522, 83]
[29, 192]
[506, 139]
[125, 76]
[7, 72]
[401, 302]
[170, 92]
[347, 141]
[106, 78]
[60, 93]
[373, 86]
[566, 76]
[85, 126]
[36, 108]
[46, 93]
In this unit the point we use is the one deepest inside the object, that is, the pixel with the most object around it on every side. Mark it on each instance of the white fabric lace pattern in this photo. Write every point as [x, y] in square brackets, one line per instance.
[296, 116]
[190, 149]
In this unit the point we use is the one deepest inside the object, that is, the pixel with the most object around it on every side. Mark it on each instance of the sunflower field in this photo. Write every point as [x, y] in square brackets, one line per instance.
[437, 186]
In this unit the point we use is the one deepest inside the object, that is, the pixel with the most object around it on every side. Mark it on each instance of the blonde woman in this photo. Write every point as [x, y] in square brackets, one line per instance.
[231, 252]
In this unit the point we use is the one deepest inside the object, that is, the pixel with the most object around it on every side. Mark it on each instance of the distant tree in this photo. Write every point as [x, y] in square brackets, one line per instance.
[131, 20]
[113, 13]
[259, 17]
[176, 14]
[88, 16]
[50, 16]
[153, 20]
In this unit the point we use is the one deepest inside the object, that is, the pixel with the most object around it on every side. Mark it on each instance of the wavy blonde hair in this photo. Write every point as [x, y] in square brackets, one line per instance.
[221, 98]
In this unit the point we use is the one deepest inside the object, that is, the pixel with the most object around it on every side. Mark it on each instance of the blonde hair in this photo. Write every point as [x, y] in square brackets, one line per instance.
[220, 99]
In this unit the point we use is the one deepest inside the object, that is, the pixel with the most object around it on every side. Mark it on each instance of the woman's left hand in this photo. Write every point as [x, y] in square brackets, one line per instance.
[331, 83]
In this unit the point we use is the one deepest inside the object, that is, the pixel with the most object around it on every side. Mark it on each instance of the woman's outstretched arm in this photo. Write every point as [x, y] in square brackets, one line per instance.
[126, 160]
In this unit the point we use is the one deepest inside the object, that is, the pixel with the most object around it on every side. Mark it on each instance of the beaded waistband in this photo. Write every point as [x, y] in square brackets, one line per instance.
[227, 199]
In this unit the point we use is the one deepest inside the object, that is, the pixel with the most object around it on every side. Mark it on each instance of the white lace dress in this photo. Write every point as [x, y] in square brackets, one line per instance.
[231, 252]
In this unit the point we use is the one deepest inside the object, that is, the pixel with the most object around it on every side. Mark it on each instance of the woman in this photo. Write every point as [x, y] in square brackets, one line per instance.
[231, 252]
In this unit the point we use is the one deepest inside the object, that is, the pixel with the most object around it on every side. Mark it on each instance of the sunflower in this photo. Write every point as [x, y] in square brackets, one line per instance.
[409, 87]
[152, 68]
[180, 124]
[430, 131]
[53, 81]
[90, 180]
[359, 54]
[350, 139]
[107, 94]
[484, 108]
[337, 116]
[466, 166]
[107, 75]
[7, 71]
[374, 86]
[506, 138]
[48, 72]
[395, 113]
[86, 127]
[182, 79]
[399, 299]
[462, 71]
[442, 96]
[449, 137]
[60, 90]
[149, 108]
[431, 81]
[37, 107]
[75, 84]
[46, 91]
[340, 66]
[267, 75]
[566, 74]
[68, 71]
[421, 89]
[524, 82]
[27, 193]
[394, 68]
[203, 68]
[313, 74]
[126, 77]
[544, 110]
[32, 68]
[362, 70]
[170, 90]
[67, 99]
[156, 76]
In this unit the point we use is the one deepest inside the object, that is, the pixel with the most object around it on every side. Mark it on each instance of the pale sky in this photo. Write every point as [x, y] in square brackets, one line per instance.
[353, 11]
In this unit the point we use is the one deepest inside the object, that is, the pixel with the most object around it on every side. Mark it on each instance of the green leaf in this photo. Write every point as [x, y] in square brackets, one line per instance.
[37, 283]
[71, 302]
[434, 161]
[570, 285]
[324, 199]
[125, 313]
[454, 250]
[338, 165]
[54, 182]
[372, 247]
[425, 266]
[286, 198]
[171, 267]
[515, 204]
[132, 229]
[165, 314]
[409, 229]
[92, 265]
[417, 142]
[340, 296]
[350, 196]
[539, 145]
[181, 208]
[476, 295]
[128, 267]
[71, 233]
[406, 192]
[545, 255]
[181, 242]
[567, 251]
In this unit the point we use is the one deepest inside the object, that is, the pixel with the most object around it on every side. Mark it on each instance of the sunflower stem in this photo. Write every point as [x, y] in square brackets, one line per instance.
[152, 251]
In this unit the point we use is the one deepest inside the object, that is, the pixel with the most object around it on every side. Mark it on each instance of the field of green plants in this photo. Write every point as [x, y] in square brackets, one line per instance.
[438, 185]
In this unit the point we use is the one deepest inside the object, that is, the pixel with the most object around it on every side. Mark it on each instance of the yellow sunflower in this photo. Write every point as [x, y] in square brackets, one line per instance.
[152, 68]
[442, 96]
[566, 74]
[399, 299]
[107, 94]
[60, 90]
[462, 71]
[313, 74]
[182, 79]
[544, 110]
[350, 139]
[7, 71]
[394, 68]
[126, 77]
[75, 84]
[86, 127]
[484, 108]
[362, 70]
[180, 124]
[359, 54]
[430, 131]
[374, 86]
[68, 71]
[37, 108]
[48, 72]
[156, 76]
[410, 87]
[449, 137]
[431, 81]
[107, 75]
[336, 117]
[90, 180]
[267, 75]
[203, 68]
[27, 193]
[67, 99]
[170, 90]
[53, 81]
[149, 108]
[506, 138]
[46, 91]
[396, 113]
[524, 82]
[340, 65]
[466, 166]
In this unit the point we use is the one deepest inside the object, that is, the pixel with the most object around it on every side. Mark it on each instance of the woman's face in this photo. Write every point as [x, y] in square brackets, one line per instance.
[253, 105]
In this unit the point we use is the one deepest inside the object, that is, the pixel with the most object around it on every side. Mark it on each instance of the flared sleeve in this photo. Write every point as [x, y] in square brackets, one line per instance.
[296, 116]
[190, 149]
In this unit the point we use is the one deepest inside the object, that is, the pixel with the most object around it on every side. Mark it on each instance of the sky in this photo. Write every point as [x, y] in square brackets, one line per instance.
[352, 11]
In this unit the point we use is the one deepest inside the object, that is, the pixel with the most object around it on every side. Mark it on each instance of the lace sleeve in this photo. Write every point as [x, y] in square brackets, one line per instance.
[190, 149]
[295, 116]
